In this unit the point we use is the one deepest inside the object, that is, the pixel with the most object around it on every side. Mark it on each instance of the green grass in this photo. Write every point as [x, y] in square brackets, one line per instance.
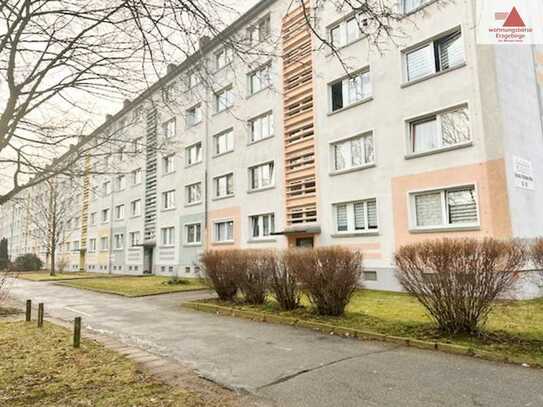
[514, 328]
[40, 368]
[44, 276]
[135, 286]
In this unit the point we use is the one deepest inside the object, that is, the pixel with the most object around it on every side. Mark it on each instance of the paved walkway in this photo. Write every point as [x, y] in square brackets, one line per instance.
[291, 366]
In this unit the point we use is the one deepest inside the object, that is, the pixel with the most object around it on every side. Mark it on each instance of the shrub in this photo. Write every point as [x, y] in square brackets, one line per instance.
[222, 271]
[283, 283]
[62, 264]
[28, 262]
[3, 286]
[329, 275]
[4, 264]
[537, 253]
[458, 280]
[254, 278]
[175, 280]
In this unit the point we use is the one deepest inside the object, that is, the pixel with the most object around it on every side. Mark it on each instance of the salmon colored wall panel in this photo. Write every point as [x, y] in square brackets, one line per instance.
[490, 182]
[234, 214]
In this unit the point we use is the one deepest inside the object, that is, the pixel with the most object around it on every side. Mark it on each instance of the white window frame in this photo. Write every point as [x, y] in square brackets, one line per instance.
[137, 176]
[223, 58]
[230, 142]
[168, 164]
[351, 229]
[216, 186]
[131, 237]
[446, 226]
[252, 172]
[92, 245]
[169, 129]
[224, 99]
[343, 30]
[260, 219]
[193, 118]
[410, 151]
[348, 168]
[263, 121]
[216, 224]
[188, 193]
[107, 218]
[259, 79]
[119, 212]
[431, 42]
[199, 154]
[167, 236]
[118, 238]
[166, 202]
[345, 81]
[187, 226]
[135, 208]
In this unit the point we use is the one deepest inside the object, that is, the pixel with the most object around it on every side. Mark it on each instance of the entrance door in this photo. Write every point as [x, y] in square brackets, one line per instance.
[148, 261]
[305, 242]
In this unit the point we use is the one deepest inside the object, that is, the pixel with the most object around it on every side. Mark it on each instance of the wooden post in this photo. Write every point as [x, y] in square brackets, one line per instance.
[28, 310]
[77, 332]
[40, 315]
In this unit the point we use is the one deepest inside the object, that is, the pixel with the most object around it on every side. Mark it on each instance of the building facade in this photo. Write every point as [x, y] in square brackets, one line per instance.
[372, 147]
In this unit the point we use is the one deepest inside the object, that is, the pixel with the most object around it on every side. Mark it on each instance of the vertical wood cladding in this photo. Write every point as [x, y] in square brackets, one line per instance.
[299, 137]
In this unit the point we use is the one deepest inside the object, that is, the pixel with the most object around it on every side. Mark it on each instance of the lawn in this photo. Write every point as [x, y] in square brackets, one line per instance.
[44, 276]
[136, 286]
[40, 368]
[514, 329]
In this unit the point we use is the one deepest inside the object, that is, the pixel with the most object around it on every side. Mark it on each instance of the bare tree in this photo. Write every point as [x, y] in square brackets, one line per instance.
[52, 210]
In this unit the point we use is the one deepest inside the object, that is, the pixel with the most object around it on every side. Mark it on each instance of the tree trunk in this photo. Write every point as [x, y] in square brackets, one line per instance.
[53, 265]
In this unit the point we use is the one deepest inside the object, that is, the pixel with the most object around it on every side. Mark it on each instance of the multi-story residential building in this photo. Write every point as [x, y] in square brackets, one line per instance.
[429, 136]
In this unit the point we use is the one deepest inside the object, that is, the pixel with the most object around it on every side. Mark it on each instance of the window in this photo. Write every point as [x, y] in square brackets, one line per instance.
[356, 217]
[137, 145]
[352, 153]
[261, 31]
[261, 127]
[167, 236]
[137, 175]
[92, 245]
[262, 226]
[224, 142]
[224, 231]
[193, 233]
[259, 79]
[194, 115]
[121, 183]
[224, 186]
[106, 187]
[119, 212]
[104, 243]
[118, 241]
[168, 129]
[135, 239]
[193, 193]
[138, 113]
[193, 154]
[168, 199]
[93, 218]
[370, 275]
[350, 90]
[135, 208]
[168, 93]
[347, 31]
[122, 155]
[75, 245]
[193, 79]
[105, 215]
[261, 176]
[435, 56]
[223, 58]
[224, 99]
[445, 208]
[168, 164]
[440, 130]
[410, 5]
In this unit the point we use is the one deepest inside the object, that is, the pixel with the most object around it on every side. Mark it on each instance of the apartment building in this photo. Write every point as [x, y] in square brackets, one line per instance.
[374, 147]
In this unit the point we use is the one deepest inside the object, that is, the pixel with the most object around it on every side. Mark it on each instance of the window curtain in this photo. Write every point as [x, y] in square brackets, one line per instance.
[424, 135]
[428, 209]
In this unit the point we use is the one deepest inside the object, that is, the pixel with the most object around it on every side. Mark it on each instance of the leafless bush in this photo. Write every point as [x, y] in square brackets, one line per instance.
[283, 283]
[62, 265]
[3, 286]
[222, 271]
[537, 253]
[329, 275]
[254, 279]
[458, 280]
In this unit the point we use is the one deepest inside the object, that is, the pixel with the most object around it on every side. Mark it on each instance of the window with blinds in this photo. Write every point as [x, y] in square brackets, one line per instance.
[439, 55]
[447, 207]
[440, 130]
[356, 217]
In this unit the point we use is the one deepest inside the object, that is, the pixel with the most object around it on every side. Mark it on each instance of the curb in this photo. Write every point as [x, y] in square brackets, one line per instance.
[354, 333]
[98, 290]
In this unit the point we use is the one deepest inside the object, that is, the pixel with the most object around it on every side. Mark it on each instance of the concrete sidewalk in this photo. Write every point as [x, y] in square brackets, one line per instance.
[290, 366]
